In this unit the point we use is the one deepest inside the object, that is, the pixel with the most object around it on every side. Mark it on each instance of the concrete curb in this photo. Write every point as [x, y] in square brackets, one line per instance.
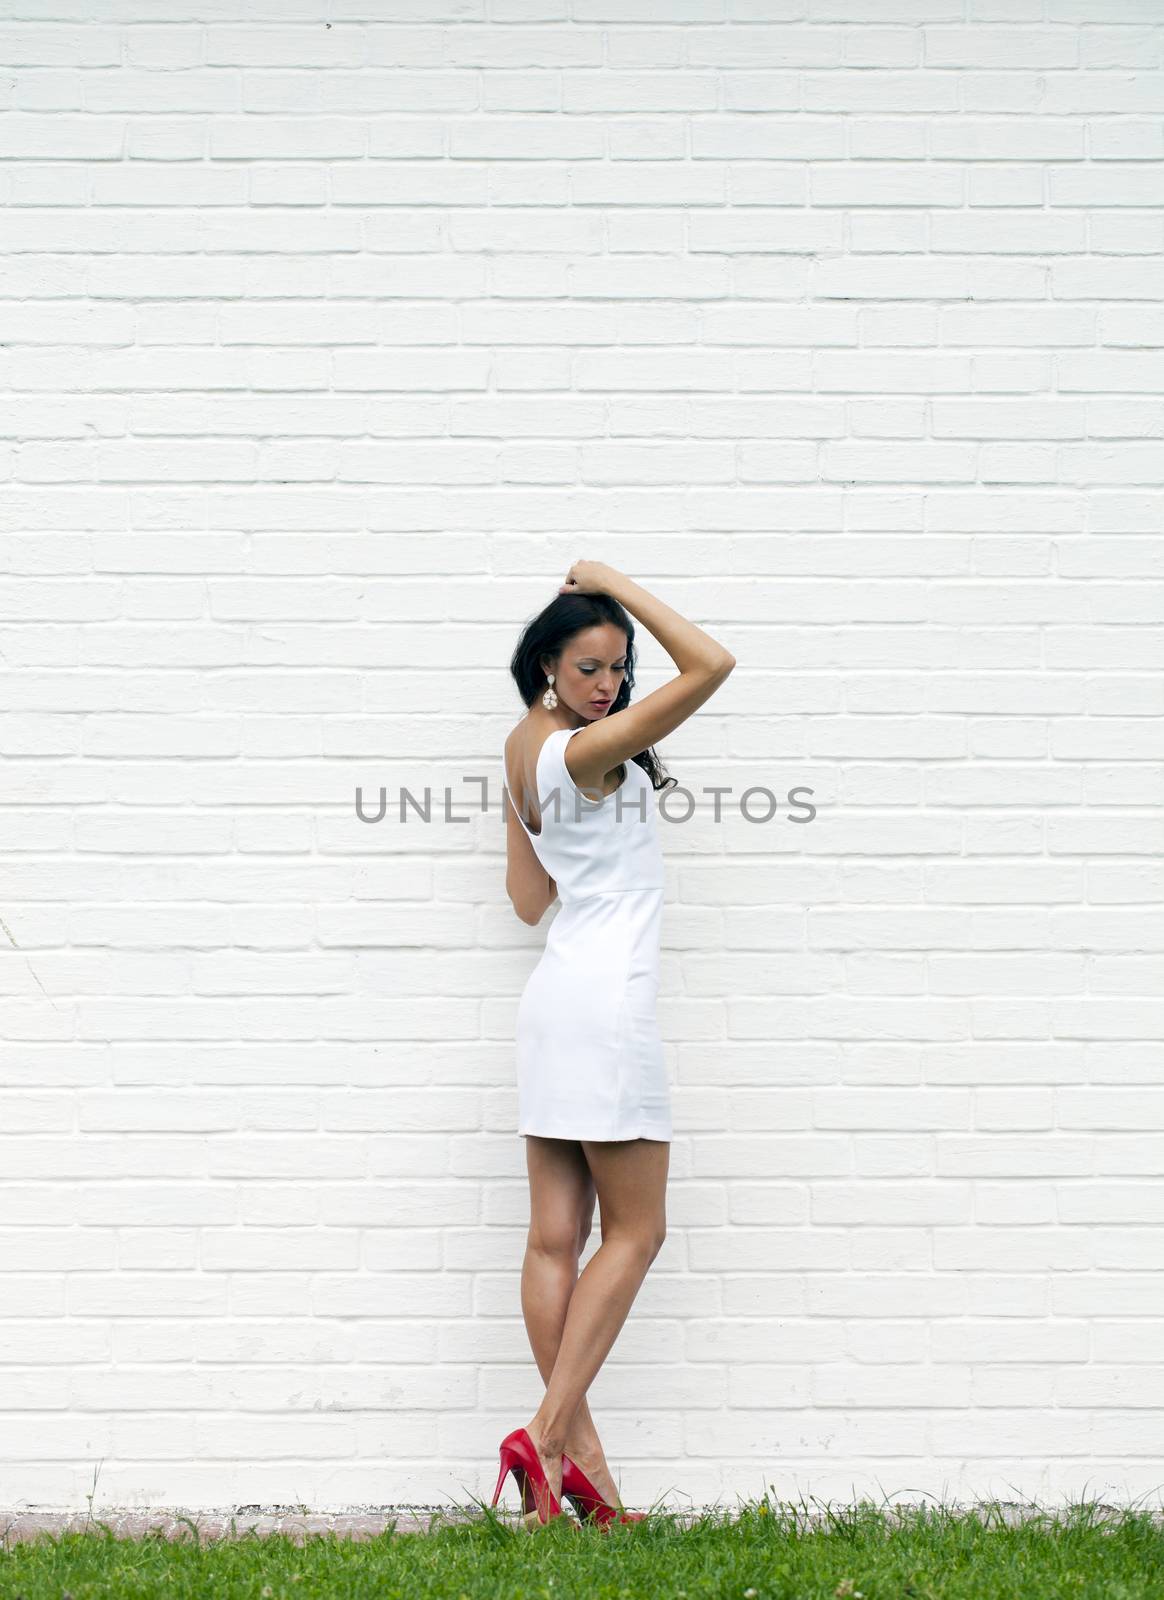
[370, 1522]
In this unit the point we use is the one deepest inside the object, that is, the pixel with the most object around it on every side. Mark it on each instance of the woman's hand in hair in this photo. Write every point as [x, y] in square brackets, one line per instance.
[588, 577]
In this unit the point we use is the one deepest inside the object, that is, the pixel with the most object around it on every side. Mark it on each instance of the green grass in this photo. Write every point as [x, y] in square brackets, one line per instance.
[761, 1551]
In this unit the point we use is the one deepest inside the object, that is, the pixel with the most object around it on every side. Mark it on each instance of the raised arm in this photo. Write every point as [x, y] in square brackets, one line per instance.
[702, 661]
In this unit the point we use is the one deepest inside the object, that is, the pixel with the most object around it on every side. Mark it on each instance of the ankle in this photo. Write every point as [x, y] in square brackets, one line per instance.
[586, 1451]
[549, 1441]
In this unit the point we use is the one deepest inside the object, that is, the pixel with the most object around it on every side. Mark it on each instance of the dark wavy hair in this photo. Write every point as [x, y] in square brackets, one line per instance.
[551, 629]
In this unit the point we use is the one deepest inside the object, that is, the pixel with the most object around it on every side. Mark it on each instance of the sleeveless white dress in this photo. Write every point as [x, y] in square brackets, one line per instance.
[590, 1061]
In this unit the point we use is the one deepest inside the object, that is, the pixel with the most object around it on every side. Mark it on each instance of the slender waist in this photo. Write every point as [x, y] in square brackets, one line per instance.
[603, 894]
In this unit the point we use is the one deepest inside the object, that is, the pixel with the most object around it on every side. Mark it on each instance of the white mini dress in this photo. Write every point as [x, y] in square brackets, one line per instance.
[590, 1061]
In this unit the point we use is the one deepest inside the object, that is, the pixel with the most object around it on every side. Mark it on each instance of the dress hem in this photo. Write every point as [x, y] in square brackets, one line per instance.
[654, 1134]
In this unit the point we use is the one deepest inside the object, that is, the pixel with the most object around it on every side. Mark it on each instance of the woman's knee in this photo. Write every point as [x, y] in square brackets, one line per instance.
[644, 1238]
[561, 1241]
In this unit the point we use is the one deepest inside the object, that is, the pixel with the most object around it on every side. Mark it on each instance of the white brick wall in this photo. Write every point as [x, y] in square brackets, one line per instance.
[325, 348]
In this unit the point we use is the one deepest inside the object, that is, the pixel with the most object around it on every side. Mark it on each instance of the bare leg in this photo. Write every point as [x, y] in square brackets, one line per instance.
[562, 1196]
[630, 1179]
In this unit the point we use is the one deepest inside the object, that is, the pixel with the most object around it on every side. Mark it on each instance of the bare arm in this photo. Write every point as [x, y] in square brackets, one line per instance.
[527, 883]
[703, 665]
[685, 642]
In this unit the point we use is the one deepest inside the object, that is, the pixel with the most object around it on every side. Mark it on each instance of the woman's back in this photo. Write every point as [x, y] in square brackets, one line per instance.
[590, 846]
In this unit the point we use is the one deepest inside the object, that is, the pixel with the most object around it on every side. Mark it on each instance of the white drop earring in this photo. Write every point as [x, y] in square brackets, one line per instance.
[550, 699]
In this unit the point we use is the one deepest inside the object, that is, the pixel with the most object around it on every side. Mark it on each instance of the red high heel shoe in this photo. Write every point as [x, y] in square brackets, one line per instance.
[586, 1500]
[519, 1456]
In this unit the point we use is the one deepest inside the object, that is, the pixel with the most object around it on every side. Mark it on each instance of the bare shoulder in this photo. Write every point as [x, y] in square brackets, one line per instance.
[517, 738]
[519, 749]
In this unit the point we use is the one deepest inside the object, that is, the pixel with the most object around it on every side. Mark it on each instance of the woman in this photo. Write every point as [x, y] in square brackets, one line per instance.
[593, 1101]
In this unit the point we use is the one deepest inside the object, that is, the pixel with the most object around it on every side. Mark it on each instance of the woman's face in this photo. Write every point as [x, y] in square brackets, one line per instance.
[590, 668]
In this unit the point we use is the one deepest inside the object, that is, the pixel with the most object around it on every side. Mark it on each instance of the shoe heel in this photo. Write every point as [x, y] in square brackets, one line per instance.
[525, 1488]
[581, 1509]
[519, 1457]
[505, 1465]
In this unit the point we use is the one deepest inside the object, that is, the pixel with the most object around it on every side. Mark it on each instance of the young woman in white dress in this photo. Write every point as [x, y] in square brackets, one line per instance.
[592, 1094]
